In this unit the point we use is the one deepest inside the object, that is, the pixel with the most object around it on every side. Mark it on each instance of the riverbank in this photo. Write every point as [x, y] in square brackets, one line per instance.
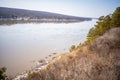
[40, 65]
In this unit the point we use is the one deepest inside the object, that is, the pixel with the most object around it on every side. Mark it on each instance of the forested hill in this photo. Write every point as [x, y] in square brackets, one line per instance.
[22, 14]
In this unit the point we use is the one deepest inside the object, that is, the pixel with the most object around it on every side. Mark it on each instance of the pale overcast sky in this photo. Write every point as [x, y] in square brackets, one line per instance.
[84, 8]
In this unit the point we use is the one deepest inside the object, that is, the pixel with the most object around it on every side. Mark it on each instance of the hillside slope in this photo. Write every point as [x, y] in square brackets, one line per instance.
[32, 14]
[99, 60]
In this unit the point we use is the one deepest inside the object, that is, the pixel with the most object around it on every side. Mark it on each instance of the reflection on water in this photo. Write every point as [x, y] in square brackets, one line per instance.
[22, 44]
[12, 22]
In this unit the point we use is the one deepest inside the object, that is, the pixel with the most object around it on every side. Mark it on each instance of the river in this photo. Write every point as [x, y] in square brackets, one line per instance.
[23, 44]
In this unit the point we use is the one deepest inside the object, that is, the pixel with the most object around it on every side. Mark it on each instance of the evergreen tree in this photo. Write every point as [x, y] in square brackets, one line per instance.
[104, 24]
[116, 18]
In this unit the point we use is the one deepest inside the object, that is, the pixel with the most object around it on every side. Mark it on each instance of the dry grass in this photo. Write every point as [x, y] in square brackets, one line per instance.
[98, 61]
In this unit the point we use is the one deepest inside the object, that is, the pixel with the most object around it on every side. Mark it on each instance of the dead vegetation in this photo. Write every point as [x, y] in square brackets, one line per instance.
[99, 60]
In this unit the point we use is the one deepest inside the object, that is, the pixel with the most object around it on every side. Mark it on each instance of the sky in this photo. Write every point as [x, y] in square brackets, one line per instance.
[82, 8]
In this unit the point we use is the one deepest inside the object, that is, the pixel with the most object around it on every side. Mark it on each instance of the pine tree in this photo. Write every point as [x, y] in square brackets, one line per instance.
[115, 22]
[104, 24]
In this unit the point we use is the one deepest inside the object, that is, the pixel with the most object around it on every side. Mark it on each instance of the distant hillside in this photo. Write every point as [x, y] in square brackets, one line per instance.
[31, 15]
